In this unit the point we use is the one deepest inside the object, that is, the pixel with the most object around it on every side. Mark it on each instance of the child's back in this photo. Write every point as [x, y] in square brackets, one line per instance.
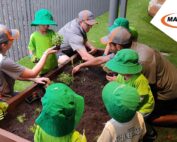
[126, 125]
[62, 110]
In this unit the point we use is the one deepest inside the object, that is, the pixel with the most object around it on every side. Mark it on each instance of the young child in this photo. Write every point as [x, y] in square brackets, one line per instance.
[125, 63]
[42, 39]
[126, 125]
[62, 110]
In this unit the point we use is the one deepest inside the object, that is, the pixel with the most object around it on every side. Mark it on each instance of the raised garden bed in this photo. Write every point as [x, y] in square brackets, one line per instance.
[88, 83]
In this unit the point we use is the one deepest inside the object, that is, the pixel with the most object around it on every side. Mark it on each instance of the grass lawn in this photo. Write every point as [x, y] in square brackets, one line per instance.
[148, 34]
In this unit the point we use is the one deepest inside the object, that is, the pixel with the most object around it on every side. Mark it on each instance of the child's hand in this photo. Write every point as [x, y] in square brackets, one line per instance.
[50, 51]
[111, 78]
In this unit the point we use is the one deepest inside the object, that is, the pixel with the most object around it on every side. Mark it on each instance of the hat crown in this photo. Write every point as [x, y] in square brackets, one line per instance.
[86, 15]
[127, 57]
[62, 110]
[43, 14]
[121, 101]
[65, 107]
[120, 35]
[121, 22]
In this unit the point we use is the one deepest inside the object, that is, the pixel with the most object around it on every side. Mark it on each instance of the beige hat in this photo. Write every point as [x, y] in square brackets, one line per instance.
[119, 35]
[87, 16]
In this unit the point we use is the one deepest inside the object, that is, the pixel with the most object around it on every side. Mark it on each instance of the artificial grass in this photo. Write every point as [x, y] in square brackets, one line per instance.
[148, 34]
[21, 85]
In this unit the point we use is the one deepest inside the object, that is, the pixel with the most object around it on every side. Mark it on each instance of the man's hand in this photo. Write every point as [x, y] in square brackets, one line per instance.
[76, 69]
[93, 50]
[42, 80]
[111, 78]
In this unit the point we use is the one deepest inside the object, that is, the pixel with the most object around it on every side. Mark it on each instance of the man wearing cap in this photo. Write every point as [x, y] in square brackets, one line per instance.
[161, 74]
[10, 70]
[126, 124]
[75, 37]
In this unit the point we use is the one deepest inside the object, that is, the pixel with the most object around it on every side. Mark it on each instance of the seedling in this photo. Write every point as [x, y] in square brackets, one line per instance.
[57, 41]
[65, 78]
[21, 118]
[37, 110]
[32, 128]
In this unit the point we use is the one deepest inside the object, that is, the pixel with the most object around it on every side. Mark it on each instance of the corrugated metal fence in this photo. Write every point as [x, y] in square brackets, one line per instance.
[19, 14]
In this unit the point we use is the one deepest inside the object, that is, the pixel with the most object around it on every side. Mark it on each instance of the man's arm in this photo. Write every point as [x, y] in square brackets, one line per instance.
[96, 61]
[84, 54]
[91, 47]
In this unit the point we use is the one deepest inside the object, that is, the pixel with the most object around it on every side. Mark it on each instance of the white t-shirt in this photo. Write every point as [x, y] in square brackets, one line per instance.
[132, 131]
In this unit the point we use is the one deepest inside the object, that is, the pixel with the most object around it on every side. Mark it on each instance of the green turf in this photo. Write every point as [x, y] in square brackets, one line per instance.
[148, 34]
[21, 85]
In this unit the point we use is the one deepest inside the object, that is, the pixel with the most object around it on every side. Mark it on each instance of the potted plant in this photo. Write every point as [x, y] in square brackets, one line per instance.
[57, 41]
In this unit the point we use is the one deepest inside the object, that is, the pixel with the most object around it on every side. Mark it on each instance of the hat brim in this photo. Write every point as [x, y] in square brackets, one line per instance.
[79, 108]
[91, 22]
[14, 34]
[122, 68]
[112, 28]
[105, 40]
[43, 22]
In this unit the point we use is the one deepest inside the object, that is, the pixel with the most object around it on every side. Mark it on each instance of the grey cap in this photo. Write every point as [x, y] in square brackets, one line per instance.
[87, 16]
[119, 35]
[7, 34]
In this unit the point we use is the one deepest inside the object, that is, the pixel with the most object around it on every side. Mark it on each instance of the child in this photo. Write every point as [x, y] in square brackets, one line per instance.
[126, 125]
[126, 64]
[61, 113]
[42, 39]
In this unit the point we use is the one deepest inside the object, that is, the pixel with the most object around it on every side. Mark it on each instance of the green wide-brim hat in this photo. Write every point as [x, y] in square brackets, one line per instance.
[43, 17]
[121, 101]
[62, 110]
[125, 62]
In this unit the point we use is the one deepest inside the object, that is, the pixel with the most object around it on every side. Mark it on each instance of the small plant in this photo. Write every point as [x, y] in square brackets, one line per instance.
[37, 110]
[21, 118]
[65, 78]
[32, 128]
[57, 40]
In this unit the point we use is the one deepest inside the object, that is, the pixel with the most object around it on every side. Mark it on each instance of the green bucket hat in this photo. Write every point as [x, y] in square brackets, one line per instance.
[123, 22]
[120, 100]
[125, 62]
[43, 17]
[62, 110]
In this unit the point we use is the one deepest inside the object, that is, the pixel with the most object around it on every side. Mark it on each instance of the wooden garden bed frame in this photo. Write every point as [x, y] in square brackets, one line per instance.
[6, 136]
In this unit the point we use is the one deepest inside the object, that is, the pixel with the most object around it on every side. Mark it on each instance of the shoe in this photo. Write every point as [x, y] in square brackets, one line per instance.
[150, 136]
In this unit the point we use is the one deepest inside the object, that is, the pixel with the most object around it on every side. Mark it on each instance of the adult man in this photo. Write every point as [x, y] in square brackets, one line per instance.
[10, 70]
[75, 37]
[162, 75]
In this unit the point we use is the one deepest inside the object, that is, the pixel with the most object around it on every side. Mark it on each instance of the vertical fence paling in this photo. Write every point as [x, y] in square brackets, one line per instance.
[19, 14]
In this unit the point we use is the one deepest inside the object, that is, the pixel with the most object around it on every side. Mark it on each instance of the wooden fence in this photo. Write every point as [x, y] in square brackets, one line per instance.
[19, 14]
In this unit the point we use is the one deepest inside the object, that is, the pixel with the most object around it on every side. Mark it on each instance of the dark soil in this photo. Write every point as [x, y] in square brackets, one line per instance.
[88, 83]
